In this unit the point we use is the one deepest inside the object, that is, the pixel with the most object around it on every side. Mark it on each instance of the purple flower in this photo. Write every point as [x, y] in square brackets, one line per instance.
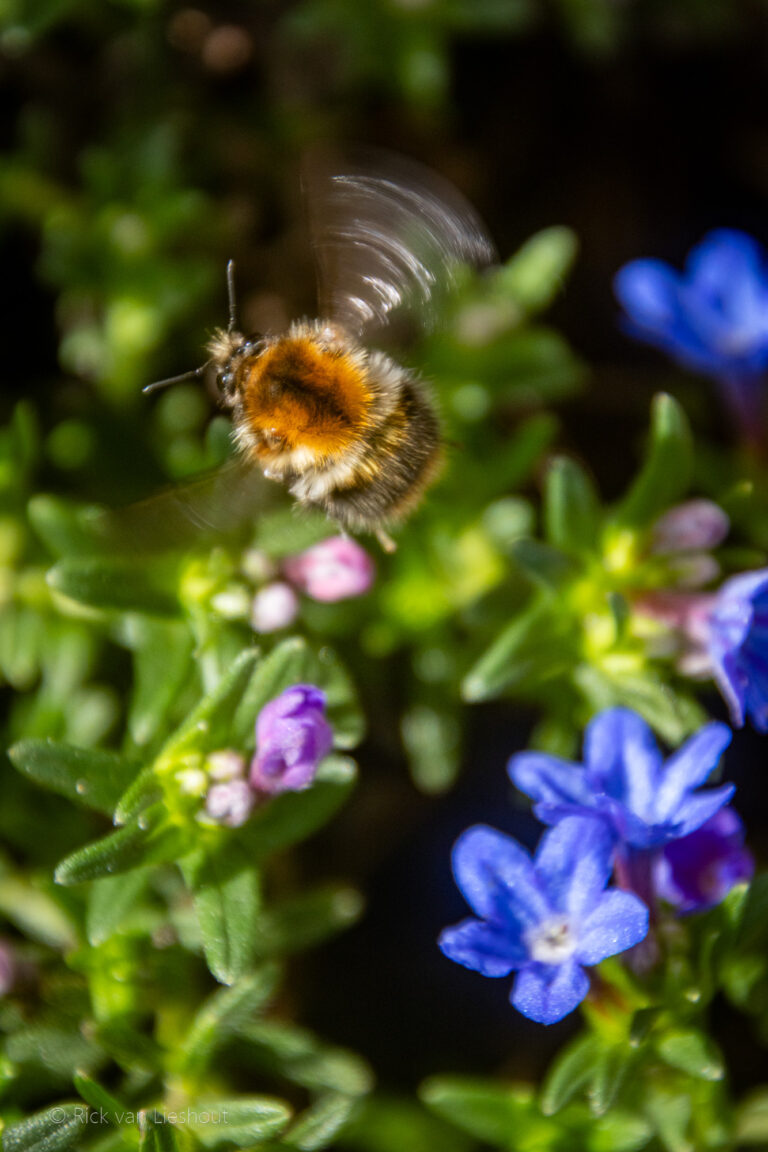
[699, 871]
[712, 318]
[274, 606]
[738, 646]
[292, 737]
[695, 526]
[625, 782]
[335, 569]
[546, 918]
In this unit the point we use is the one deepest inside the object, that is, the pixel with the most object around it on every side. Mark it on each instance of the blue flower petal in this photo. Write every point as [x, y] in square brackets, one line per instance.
[546, 993]
[689, 767]
[576, 860]
[647, 290]
[696, 810]
[549, 780]
[623, 759]
[727, 267]
[497, 878]
[483, 947]
[619, 921]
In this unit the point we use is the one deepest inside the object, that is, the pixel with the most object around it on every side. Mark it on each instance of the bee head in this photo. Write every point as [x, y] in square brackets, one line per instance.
[229, 352]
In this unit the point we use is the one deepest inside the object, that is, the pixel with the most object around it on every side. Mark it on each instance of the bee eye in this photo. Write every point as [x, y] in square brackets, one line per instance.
[226, 382]
[253, 345]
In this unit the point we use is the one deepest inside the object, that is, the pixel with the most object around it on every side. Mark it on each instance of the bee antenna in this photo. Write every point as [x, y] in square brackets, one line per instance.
[231, 296]
[192, 374]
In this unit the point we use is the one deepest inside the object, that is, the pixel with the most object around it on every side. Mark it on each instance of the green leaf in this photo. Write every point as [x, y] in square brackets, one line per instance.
[536, 272]
[544, 565]
[98, 1098]
[609, 1074]
[752, 1119]
[157, 1133]
[294, 662]
[240, 1120]
[226, 891]
[490, 1112]
[669, 1111]
[666, 471]
[217, 721]
[293, 816]
[531, 649]
[280, 1049]
[51, 1130]
[692, 1052]
[571, 507]
[224, 1013]
[162, 665]
[111, 900]
[571, 1071]
[59, 1050]
[90, 776]
[117, 586]
[321, 1123]
[302, 921]
[432, 739]
[62, 526]
[141, 793]
[148, 840]
[38, 914]
[619, 1132]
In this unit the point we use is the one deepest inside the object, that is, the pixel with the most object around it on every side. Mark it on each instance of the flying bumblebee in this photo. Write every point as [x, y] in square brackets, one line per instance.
[341, 424]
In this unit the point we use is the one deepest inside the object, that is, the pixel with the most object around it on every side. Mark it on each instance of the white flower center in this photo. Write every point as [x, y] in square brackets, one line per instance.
[551, 942]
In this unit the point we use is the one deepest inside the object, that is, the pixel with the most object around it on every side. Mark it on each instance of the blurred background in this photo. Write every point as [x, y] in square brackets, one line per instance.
[144, 143]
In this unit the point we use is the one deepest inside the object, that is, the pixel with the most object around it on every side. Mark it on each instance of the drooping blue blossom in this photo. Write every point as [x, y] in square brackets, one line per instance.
[545, 918]
[699, 871]
[712, 318]
[624, 781]
[738, 646]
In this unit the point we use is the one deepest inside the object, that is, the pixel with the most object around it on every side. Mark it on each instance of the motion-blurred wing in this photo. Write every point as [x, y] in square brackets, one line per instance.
[388, 234]
[225, 505]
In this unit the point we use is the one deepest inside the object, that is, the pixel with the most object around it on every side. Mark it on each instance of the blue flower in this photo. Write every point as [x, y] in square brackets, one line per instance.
[699, 871]
[712, 318]
[625, 782]
[738, 646]
[546, 918]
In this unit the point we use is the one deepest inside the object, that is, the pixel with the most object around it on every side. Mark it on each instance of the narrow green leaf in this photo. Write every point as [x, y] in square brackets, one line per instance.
[162, 665]
[149, 840]
[752, 1119]
[571, 1071]
[321, 1123]
[609, 1074]
[280, 1049]
[26, 903]
[52, 1130]
[226, 891]
[62, 526]
[531, 649]
[118, 586]
[571, 507]
[669, 1111]
[98, 1098]
[90, 776]
[211, 724]
[535, 273]
[226, 1011]
[141, 793]
[545, 565]
[157, 1133]
[240, 1120]
[298, 923]
[692, 1052]
[490, 1112]
[619, 1131]
[432, 739]
[111, 900]
[666, 471]
[59, 1050]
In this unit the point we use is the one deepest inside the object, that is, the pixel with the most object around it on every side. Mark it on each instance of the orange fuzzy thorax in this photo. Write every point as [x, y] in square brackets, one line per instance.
[305, 395]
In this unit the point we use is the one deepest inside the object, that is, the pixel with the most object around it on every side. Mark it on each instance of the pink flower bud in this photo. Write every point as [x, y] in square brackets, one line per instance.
[292, 737]
[335, 569]
[274, 607]
[230, 803]
[693, 526]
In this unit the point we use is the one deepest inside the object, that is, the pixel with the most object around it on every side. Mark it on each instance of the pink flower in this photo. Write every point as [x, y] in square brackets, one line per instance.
[334, 569]
[230, 803]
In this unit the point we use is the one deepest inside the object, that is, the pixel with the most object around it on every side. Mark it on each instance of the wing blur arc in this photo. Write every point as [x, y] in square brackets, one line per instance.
[388, 235]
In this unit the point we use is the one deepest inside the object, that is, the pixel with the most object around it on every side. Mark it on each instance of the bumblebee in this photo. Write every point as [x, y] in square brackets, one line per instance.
[341, 424]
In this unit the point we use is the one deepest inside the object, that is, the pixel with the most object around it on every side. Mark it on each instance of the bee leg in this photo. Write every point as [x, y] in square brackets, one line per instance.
[387, 543]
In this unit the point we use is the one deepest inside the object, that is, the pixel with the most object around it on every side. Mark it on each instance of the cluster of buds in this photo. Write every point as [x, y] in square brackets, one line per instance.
[292, 737]
[335, 569]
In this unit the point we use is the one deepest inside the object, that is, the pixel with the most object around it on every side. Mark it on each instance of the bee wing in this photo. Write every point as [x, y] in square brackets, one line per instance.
[388, 234]
[223, 505]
